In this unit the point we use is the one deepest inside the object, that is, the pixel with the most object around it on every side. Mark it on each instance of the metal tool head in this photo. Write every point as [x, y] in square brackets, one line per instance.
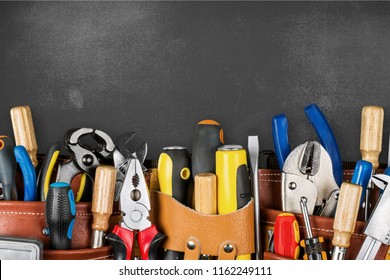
[380, 180]
[307, 172]
[378, 226]
[134, 198]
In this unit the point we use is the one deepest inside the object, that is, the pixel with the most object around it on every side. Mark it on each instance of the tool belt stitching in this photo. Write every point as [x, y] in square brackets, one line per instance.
[104, 257]
[22, 213]
[269, 174]
[318, 229]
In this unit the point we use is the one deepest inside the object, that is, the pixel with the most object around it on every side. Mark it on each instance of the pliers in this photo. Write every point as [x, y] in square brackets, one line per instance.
[324, 132]
[307, 172]
[85, 159]
[134, 204]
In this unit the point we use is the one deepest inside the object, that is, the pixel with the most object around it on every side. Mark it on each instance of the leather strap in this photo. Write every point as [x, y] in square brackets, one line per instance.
[179, 223]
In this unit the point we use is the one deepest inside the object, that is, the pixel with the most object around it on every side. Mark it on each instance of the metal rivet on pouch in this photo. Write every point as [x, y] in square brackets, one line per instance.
[191, 245]
[228, 248]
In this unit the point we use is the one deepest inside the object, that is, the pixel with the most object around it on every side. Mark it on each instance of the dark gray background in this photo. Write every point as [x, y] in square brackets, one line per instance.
[160, 67]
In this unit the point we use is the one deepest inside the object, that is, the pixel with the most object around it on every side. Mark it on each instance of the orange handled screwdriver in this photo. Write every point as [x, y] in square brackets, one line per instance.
[286, 236]
[311, 244]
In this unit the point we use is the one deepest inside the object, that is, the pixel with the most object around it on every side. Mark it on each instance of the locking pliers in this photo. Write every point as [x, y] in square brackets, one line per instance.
[307, 172]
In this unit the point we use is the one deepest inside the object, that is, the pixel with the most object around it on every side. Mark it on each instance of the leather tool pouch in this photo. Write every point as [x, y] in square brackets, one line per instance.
[225, 236]
[27, 219]
[270, 191]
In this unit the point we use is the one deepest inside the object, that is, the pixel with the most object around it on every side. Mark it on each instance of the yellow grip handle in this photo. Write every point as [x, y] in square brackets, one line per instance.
[103, 196]
[371, 134]
[24, 132]
[346, 214]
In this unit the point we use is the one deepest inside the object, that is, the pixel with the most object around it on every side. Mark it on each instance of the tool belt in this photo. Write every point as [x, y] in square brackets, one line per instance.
[26, 219]
[270, 201]
[197, 234]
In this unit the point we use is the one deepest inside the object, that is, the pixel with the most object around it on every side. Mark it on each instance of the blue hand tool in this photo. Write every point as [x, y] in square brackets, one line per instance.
[323, 130]
[28, 171]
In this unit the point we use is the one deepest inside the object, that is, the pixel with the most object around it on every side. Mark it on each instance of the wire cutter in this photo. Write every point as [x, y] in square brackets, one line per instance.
[134, 204]
[324, 132]
[85, 159]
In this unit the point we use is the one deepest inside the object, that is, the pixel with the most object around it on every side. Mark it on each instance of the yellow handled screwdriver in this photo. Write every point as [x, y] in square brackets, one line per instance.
[233, 184]
[371, 145]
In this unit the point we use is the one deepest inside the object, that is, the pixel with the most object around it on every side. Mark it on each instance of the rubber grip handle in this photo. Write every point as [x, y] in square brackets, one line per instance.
[174, 173]
[327, 139]
[149, 242]
[174, 165]
[28, 172]
[208, 137]
[60, 215]
[280, 137]
[8, 168]
[46, 170]
[121, 240]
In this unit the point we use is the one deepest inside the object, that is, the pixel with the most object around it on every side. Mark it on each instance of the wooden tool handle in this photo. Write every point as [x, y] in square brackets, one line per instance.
[103, 196]
[346, 214]
[24, 132]
[371, 134]
[205, 189]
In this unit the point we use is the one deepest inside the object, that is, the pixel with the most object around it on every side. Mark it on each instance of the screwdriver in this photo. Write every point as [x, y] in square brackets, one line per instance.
[60, 215]
[24, 132]
[174, 176]
[348, 208]
[208, 137]
[102, 202]
[371, 145]
[312, 245]
[7, 168]
[286, 235]
[205, 193]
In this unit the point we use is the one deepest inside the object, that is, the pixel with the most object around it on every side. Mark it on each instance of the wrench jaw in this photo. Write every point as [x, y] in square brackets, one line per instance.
[307, 172]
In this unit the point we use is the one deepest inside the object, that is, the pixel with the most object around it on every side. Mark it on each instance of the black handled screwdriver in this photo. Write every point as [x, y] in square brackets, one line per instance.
[312, 245]
[60, 215]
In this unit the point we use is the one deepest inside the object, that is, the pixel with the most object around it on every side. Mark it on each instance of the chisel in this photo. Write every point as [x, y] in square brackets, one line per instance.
[102, 202]
[348, 207]
[24, 132]
[371, 145]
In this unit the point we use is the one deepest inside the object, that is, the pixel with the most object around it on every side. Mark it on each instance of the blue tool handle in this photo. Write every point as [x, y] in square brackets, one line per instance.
[8, 168]
[327, 139]
[60, 215]
[362, 173]
[280, 137]
[361, 176]
[28, 172]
